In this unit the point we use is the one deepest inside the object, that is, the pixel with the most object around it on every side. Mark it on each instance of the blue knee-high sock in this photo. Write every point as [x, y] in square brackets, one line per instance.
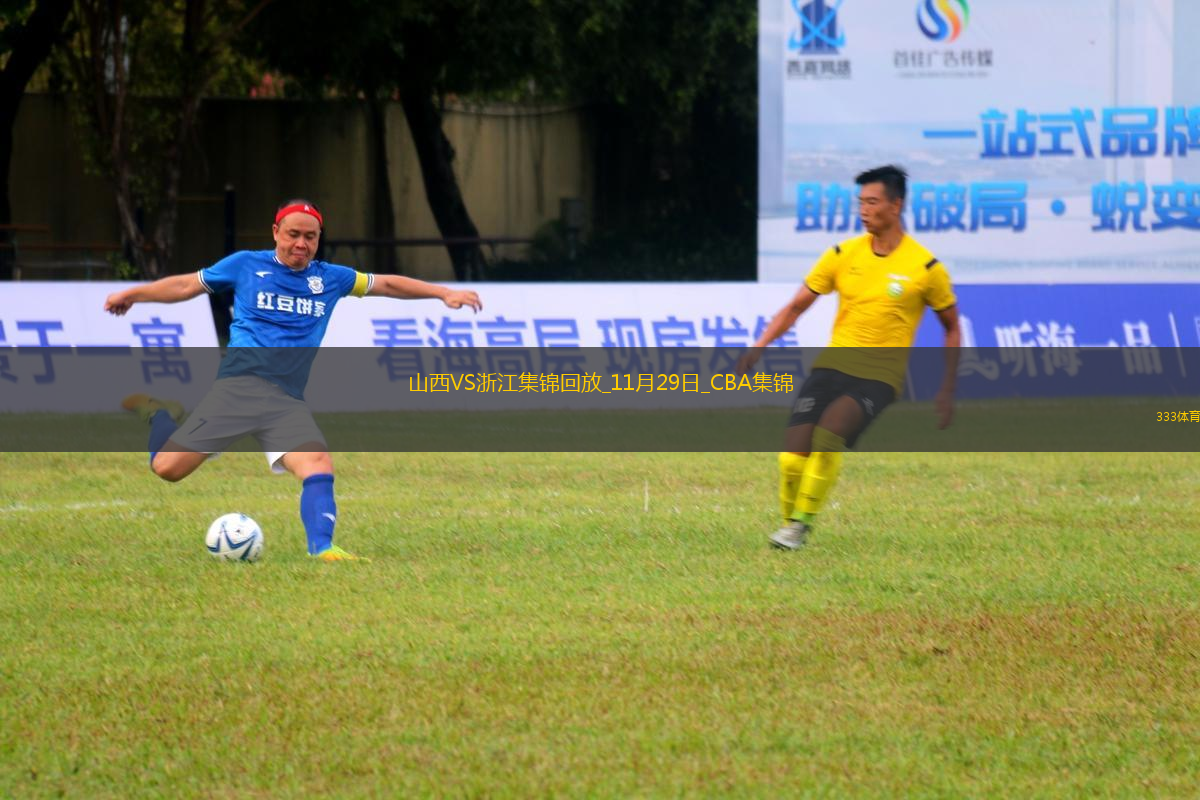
[318, 511]
[161, 428]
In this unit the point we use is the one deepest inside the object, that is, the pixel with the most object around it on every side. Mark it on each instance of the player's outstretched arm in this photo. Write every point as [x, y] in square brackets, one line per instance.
[780, 324]
[944, 400]
[404, 288]
[174, 289]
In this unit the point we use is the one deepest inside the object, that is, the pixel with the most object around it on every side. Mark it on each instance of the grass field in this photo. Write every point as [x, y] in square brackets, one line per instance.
[961, 625]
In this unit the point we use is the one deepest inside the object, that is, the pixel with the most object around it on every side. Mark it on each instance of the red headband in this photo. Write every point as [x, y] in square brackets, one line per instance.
[303, 208]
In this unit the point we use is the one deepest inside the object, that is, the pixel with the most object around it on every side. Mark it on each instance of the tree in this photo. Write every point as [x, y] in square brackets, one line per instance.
[674, 90]
[418, 52]
[361, 64]
[141, 70]
[671, 87]
[28, 34]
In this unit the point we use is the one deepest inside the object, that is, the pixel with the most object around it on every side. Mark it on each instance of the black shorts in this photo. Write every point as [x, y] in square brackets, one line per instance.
[824, 386]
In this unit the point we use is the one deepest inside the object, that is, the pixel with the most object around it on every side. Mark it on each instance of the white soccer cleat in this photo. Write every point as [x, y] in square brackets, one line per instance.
[791, 536]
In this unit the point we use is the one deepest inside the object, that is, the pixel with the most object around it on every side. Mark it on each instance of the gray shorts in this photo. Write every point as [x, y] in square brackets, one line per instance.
[247, 405]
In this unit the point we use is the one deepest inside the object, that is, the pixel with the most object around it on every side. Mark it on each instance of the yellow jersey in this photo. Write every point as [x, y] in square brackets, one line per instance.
[881, 300]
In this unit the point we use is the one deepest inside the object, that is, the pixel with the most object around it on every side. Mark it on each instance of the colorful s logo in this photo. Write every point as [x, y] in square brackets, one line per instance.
[942, 20]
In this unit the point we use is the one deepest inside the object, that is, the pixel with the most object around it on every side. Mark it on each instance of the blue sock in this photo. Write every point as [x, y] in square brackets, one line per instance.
[318, 512]
[161, 428]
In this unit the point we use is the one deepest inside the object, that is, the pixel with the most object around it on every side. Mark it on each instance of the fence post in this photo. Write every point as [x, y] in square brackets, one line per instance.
[222, 304]
[570, 210]
[230, 219]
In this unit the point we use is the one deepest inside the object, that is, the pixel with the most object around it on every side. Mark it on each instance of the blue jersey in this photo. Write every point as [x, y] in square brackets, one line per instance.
[275, 306]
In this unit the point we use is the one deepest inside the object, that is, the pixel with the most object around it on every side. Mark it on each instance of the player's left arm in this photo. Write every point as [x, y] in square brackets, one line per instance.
[939, 295]
[404, 288]
[944, 400]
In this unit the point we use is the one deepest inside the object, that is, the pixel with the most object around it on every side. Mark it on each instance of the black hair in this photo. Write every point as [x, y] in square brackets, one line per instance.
[298, 201]
[893, 178]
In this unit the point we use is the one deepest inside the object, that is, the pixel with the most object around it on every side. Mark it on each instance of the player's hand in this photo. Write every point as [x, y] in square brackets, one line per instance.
[943, 404]
[118, 303]
[745, 364]
[463, 297]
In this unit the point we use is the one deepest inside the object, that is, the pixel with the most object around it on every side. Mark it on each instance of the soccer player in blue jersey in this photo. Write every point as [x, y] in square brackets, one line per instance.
[282, 298]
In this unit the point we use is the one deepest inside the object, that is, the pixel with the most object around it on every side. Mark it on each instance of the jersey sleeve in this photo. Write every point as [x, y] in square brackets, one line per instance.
[939, 295]
[349, 281]
[822, 278]
[363, 282]
[221, 276]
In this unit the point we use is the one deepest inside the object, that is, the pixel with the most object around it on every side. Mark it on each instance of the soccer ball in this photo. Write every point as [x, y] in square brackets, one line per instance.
[234, 537]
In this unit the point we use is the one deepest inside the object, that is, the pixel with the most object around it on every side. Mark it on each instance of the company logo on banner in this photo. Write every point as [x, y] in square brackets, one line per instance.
[817, 34]
[942, 22]
[818, 29]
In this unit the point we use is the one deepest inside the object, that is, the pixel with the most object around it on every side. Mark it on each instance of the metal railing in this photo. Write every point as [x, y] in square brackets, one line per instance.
[34, 260]
[475, 271]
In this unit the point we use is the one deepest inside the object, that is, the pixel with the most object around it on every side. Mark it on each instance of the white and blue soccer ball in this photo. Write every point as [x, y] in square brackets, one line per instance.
[234, 537]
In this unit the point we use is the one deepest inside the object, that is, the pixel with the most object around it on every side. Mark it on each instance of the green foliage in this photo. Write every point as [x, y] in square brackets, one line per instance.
[121, 269]
[660, 60]
[158, 75]
[154, 123]
[603, 625]
[673, 87]
[13, 13]
[159, 60]
[452, 46]
[551, 244]
[139, 72]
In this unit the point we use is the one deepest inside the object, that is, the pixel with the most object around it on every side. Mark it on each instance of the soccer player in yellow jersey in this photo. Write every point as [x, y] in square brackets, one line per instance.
[884, 280]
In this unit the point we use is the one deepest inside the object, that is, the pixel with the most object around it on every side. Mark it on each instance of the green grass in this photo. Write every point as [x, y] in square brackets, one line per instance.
[961, 625]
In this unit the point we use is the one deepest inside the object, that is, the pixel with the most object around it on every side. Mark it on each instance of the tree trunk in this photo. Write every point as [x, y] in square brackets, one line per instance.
[102, 71]
[132, 238]
[7, 254]
[32, 45]
[163, 243]
[436, 156]
[384, 226]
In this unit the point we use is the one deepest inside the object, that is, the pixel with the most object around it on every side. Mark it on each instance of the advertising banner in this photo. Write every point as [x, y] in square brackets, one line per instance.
[60, 352]
[1046, 142]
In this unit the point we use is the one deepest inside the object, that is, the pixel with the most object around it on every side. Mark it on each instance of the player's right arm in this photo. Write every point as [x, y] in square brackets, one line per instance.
[173, 289]
[820, 280]
[780, 324]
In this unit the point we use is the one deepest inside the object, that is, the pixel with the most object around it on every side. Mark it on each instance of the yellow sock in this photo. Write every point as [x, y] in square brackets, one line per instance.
[791, 468]
[820, 472]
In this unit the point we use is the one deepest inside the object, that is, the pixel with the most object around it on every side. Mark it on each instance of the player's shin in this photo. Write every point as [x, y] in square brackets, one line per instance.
[161, 428]
[820, 473]
[791, 469]
[318, 511]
